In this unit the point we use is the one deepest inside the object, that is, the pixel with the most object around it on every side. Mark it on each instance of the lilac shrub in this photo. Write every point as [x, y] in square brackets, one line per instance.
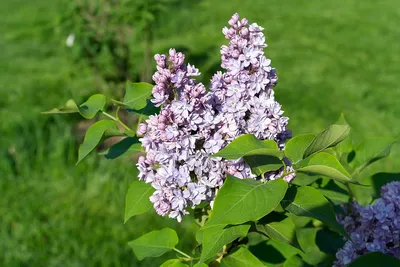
[373, 228]
[195, 123]
[193, 149]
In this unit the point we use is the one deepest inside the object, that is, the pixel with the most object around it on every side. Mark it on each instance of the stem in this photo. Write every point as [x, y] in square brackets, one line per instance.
[117, 120]
[189, 259]
[117, 112]
[350, 191]
[263, 177]
[221, 255]
[183, 253]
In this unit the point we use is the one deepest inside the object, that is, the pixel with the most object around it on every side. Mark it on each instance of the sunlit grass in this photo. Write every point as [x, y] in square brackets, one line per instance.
[331, 57]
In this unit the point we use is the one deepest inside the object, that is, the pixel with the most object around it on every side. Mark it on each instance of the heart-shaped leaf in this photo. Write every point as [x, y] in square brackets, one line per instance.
[93, 137]
[296, 147]
[295, 261]
[260, 164]
[94, 104]
[375, 259]
[154, 244]
[282, 231]
[327, 165]
[129, 144]
[240, 258]
[304, 178]
[309, 202]
[136, 95]
[69, 107]
[249, 198]
[174, 263]
[145, 112]
[369, 151]
[336, 193]
[346, 145]
[249, 145]
[215, 237]
[313, 255]
[330, 137]
[137, 199]
[88, 109]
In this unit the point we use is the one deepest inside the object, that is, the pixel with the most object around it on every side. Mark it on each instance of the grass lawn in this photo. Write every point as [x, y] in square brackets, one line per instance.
[331, 57]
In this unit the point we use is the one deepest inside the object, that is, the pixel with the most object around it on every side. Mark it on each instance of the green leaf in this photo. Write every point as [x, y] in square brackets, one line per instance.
[335, 197]
[342, 120]
[93, 136]
[299, 221]
[249, 198]
[296, 147]
[249, 145]
[327, 165]
[308, 241]
[154, 244]
[215, 237]
[304, 179]
[241, 258]
[282, 231]
[69, 107]
[88, 109]
[260, 164]
[330, 137]
[254, 238]
[114, 133]
[136, 95]
[362, 194]
[336, 194]
[295, 261]
[309, 202]
[148, 110]
[144, 113]
[375, 259]
[173, 263]
[346, 145]
[273, 253]
[328, 241]
[94, 104]
[129, 144]
[369, 151]
[137, 199]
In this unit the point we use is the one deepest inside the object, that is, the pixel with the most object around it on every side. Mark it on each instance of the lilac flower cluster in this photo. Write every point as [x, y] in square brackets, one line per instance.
[243, 94]
[195, 123]
[176, 164]
[373, 228]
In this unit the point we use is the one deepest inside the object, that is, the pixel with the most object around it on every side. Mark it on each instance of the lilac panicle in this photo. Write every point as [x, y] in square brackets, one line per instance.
[244, 94]
[194, 123]
[373, 228]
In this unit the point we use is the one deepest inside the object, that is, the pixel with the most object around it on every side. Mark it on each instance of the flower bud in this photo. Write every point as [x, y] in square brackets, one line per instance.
[244, 32]
[142, 128]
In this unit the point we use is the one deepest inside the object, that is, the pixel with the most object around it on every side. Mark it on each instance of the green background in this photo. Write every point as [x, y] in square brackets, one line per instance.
[331, 57]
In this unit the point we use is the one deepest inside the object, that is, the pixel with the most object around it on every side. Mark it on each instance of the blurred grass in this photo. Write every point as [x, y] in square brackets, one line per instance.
[52, 212]
[331, 57]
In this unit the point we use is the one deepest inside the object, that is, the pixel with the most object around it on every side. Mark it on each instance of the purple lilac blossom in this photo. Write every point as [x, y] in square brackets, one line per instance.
[373, 228]
[194, 123]
[244, 94]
